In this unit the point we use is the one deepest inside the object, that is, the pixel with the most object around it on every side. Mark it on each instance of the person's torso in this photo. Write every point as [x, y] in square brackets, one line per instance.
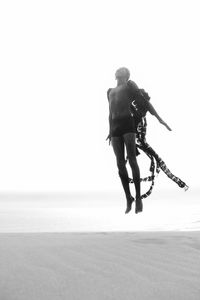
[120, 99]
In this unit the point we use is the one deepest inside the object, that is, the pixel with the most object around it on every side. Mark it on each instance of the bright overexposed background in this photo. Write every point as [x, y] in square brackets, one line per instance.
[58, 58]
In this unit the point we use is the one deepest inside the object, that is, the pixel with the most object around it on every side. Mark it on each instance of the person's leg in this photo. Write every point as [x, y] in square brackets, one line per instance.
[118, 147]
[129, 140]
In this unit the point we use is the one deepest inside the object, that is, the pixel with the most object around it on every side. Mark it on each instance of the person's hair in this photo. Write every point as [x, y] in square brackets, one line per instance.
[122, 72]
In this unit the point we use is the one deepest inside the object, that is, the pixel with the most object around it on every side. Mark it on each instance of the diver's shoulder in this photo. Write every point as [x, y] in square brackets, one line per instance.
[108, 92]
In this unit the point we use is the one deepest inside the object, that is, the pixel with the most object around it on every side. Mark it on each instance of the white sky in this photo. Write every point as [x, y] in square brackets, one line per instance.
[57, 60]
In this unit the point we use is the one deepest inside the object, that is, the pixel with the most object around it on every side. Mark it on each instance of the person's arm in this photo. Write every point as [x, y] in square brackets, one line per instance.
[145, 102]
[152, 110]
[109, 135]
[109, 118]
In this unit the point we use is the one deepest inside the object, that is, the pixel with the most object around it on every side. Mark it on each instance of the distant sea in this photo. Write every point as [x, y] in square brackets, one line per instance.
[98, 212]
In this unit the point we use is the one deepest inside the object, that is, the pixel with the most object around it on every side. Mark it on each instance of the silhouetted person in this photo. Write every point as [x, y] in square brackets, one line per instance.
[123, 127]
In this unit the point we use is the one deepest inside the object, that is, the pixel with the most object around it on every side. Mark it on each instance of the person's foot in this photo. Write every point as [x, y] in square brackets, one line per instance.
[129, 204]
[138, 205]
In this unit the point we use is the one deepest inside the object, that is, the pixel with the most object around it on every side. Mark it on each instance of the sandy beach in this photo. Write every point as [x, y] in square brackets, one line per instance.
[73, 266]
[70, 247]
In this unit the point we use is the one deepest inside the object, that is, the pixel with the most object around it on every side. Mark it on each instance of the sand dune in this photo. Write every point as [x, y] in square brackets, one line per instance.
[98, 266]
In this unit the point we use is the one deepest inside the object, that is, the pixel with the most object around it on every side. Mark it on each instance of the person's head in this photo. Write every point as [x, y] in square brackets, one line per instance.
[122, 74]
